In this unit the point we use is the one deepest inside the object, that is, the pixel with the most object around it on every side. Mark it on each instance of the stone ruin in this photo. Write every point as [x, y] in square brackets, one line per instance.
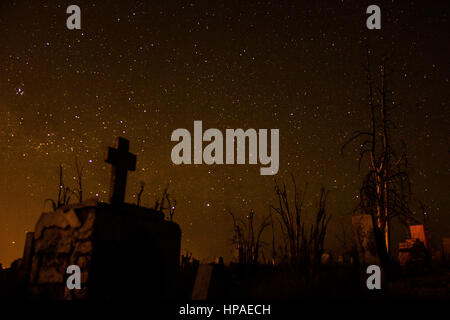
[414, 253]
[124, 251]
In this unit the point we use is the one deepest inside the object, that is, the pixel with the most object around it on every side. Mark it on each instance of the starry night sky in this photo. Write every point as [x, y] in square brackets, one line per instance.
[141, 69]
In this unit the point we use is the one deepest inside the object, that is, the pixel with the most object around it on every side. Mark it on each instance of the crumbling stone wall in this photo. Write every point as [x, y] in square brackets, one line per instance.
[62, 238]
[123, 251]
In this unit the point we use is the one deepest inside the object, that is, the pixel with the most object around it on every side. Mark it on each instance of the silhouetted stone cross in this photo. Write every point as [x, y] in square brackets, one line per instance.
[122, 161]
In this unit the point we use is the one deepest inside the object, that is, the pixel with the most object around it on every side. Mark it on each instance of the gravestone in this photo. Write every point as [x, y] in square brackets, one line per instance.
[212, 282]
[325, 258]
[414, 253]
[419, 232]
[124, 251]
[364, 239]
[446, 249]
[202, 282]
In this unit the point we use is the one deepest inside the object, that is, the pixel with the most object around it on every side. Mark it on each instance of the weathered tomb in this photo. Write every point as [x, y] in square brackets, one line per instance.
[414, 253]
[418, 232]
[124, 251]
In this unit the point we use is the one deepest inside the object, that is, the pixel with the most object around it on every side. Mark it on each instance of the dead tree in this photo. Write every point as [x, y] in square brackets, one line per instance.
[166, 198]
[303, 247]
[64, 193]
[248, 241]
[171, 205]
[290, 218]
[386, 189]
[319, 229]
[139, 195]
[272, 227]
[238, 237]
[79, 179]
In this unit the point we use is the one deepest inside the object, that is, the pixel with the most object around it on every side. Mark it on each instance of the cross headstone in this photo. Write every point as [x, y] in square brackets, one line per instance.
[122, 161]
